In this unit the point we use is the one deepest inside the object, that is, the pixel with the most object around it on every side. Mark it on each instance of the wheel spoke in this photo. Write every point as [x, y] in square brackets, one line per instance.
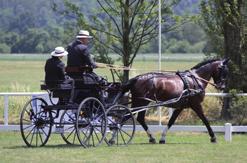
[122, 137]
[40, 137]
[32, 136]
[37, 137]
[120, 129]
[84, 133]
[111, 120]
[30, 132]
[26, 120]
[92, 138]
[28, 127]
[70, 116]
[96, 135]
[74, 137]
[117, 137]
[67, 129]
[44, 132]
[70, 134]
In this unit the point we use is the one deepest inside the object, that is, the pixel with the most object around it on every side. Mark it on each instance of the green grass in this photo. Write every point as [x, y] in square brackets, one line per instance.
[180, 147]
[25, 75]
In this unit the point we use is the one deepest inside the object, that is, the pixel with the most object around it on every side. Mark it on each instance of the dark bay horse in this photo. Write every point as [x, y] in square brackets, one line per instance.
[187, 87]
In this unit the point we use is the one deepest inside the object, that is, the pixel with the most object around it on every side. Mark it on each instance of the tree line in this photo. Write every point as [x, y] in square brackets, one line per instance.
[35, 28]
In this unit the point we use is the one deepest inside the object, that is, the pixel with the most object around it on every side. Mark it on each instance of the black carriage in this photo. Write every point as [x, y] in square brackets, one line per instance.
[86, 114]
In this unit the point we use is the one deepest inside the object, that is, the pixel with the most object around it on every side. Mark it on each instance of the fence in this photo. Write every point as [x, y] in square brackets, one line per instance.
[228, 129]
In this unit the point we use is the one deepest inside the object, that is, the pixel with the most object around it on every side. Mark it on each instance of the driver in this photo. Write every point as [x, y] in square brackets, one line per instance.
[79, 60]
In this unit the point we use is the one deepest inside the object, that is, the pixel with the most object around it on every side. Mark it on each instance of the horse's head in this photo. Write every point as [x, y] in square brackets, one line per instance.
[220, 74]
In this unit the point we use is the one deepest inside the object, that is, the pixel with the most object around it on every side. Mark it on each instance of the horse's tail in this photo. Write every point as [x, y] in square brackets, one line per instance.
[126, 87]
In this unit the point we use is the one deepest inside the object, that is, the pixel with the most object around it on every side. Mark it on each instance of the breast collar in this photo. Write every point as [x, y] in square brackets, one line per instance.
[185, 75]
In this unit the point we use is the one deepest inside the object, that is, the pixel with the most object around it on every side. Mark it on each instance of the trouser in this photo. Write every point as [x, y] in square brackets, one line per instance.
[71, 82]
[87, 78]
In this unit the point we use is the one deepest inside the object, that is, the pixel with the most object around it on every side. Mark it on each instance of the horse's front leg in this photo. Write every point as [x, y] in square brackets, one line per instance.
[199, 112]
[141, 120]
[170, 123]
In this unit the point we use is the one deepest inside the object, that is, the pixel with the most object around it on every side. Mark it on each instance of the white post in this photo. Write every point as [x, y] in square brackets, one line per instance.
[228, 132]
[6, 108]
[159, 53]
[159, 35]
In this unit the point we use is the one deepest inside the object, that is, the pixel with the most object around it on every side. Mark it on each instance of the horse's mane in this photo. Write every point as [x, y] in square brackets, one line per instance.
[204, 63]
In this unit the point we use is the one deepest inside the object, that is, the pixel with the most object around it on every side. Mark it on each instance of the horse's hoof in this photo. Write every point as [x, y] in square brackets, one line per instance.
[152, 141]
[213, 140]
[162, 142]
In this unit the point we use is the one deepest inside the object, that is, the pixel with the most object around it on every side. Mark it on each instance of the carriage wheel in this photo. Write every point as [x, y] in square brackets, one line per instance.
[91, 122]
[67, 123]
[35, 123]
[121, 125]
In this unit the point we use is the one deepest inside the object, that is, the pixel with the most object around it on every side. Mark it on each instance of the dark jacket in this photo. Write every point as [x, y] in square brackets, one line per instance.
[54, 71]
[79, 55]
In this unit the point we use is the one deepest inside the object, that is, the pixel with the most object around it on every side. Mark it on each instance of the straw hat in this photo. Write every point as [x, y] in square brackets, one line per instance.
[59, 51]
[83, 34]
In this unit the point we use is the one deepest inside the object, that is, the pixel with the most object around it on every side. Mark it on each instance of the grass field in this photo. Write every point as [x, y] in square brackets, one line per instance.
[180, 147]
[24, 72]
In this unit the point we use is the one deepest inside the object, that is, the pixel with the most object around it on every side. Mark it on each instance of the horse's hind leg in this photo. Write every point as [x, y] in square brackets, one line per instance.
[141, 120]
[170, 123]
[199, 112]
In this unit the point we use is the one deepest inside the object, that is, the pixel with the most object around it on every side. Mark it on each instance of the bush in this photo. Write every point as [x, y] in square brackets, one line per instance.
[4, 48]
[238, 108]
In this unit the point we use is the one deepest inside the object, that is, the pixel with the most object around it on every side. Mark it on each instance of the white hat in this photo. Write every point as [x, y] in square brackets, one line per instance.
[83, 34]
[59, 51]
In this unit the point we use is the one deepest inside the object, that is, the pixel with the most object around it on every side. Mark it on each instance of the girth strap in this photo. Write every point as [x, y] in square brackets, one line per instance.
[183, 76]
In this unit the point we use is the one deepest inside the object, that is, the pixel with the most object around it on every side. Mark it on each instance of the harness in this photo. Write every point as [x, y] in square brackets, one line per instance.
[196, 87]
[184, 78]
[190, 88]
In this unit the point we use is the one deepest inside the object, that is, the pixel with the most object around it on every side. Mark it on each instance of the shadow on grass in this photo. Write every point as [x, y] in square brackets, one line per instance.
[60, 146]
[172, 143]
[46, 146]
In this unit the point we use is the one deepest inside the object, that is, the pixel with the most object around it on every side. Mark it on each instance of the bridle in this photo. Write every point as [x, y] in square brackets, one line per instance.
[222, 77]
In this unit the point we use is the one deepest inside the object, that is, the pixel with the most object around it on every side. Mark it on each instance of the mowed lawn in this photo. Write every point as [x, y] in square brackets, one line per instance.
[25, 75]
[180, 147]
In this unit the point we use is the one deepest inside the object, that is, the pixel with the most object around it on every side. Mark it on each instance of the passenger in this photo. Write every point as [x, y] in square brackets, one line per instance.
[79, 59]
[55, 69]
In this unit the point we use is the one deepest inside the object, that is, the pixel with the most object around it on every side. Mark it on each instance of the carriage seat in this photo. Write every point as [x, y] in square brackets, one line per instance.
[58, 89]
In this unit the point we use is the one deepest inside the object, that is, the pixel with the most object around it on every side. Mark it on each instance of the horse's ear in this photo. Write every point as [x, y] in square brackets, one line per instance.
[225, 61]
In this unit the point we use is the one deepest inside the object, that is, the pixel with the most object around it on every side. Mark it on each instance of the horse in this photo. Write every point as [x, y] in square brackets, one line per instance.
[185, 89]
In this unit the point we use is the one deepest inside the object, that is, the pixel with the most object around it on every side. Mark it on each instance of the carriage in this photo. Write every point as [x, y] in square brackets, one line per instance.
[90, 117]
[96, 115]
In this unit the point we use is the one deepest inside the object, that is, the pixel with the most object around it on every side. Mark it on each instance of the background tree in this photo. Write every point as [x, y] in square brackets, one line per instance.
[129, 24]
[223, 23]
[18, 17]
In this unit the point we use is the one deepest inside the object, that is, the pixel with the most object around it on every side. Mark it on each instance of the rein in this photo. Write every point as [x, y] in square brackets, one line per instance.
[204, 80]
[114, 67]
[118, 67]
